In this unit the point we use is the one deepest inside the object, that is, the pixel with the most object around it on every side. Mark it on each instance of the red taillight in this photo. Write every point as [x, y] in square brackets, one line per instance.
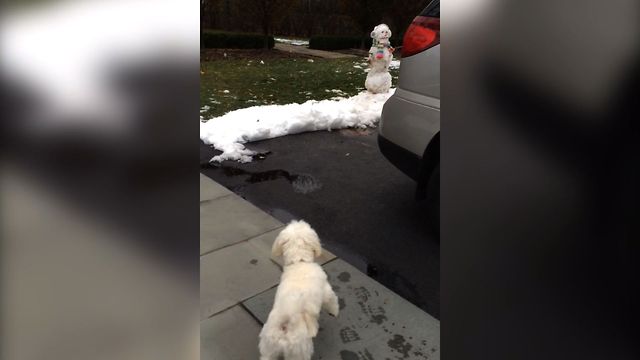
[423, 33]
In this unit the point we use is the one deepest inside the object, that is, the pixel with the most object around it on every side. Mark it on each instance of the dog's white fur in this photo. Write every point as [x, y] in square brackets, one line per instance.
[303, 291]
[378, 79]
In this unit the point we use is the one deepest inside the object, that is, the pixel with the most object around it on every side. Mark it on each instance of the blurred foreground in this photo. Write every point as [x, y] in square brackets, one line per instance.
[100, 223]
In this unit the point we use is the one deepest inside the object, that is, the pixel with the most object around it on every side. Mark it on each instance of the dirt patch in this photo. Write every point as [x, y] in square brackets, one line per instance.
[250, 54]
[356, 132]
[365, 53]
[356, 52]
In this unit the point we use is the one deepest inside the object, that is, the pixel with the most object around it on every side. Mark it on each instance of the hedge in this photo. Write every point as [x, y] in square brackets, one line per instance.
[344, 42]
[334, 42]
[230, 40]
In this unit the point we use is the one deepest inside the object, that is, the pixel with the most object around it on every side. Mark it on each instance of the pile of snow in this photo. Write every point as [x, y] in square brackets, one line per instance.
[229, 132]
[292, 41]
[395, 64]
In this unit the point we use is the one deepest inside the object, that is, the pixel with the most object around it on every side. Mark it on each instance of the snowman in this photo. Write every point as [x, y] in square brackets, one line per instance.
[380, 56]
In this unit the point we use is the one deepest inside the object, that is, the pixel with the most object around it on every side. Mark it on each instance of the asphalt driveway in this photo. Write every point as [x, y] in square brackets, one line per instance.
[361, 206]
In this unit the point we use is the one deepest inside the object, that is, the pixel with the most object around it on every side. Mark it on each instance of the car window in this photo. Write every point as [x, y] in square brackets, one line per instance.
[432, 10]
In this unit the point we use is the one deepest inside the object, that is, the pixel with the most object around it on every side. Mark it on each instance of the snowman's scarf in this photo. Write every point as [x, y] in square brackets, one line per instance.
[376, 43]
[380, 47]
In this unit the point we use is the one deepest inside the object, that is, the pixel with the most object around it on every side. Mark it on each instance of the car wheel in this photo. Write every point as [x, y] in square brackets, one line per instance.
[433, 199]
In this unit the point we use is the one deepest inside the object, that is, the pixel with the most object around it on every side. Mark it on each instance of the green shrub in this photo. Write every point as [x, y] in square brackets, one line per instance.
[229, 40]
[344, 42]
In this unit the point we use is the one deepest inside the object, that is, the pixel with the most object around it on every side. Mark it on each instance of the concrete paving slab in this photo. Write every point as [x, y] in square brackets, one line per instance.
[265, 241]
[210, 189]
[229, 335]
[374, 323]
[230, 219]
[233, 274]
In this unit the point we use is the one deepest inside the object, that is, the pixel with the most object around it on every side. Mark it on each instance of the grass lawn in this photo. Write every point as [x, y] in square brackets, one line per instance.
[232, 84]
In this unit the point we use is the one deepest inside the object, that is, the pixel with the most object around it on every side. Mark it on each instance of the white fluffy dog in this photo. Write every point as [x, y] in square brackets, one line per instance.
[303, 291]
[380, 56]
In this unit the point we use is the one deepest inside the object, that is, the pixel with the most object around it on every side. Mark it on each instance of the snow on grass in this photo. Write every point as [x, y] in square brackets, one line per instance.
[297, 82]
[229, 133]
[292, 41]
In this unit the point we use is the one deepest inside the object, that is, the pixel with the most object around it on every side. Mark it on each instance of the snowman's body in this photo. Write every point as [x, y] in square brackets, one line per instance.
[380, 56]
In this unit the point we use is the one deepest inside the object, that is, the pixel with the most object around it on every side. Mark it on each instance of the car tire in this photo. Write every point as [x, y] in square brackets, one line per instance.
[433, 199]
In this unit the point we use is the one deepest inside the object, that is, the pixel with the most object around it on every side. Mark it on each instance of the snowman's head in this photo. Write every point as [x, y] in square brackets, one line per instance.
[381, 33]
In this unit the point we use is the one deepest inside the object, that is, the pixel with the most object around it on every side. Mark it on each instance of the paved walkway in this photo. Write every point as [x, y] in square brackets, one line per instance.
[238, 281]
[312, 52]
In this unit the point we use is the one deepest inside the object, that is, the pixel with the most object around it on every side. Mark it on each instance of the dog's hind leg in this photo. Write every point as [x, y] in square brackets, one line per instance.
[311, 322]
[268, 350]
[300, 351]
[269, 355]
[330, 300]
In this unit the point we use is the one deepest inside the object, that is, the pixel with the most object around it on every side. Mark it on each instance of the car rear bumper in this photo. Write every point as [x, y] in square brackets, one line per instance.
[409, 120]
[403, 159]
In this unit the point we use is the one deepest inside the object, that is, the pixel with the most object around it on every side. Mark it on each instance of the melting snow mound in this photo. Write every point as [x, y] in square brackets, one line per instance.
[292, 41]
[229, 132]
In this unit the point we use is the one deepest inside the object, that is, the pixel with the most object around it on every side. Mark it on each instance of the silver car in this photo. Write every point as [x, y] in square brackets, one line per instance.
[409, 132]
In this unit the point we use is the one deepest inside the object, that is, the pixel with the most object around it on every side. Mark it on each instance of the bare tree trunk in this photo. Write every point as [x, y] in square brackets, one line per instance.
[363, 42]
[227, 15]
[265, 30]
[203, 14]
[310, 19]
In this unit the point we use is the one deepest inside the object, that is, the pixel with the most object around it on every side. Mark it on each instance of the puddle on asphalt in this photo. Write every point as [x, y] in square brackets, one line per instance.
[301, 183]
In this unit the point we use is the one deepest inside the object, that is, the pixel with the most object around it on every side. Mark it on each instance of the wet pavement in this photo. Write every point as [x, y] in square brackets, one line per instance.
[373, 322]
[362, 207]
[238, 280]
